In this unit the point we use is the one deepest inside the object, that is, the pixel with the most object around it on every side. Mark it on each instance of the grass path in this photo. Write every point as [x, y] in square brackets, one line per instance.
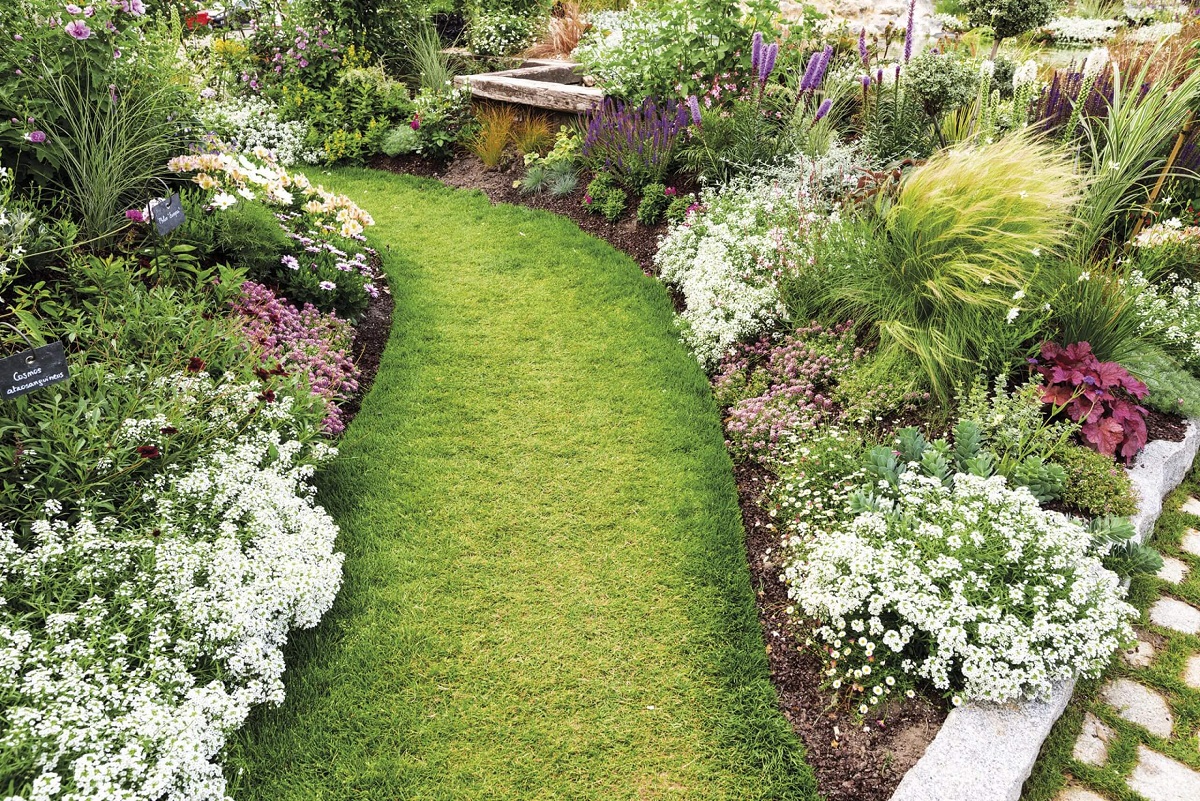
[546, 594]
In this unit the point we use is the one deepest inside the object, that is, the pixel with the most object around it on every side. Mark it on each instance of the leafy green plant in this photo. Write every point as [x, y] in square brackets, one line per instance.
[1096, 485]
[1009, 17]
[653, 204]
[940, 82]
[955, 247]
[427, 64]
[400, 141]
[677, 209]
[604, 197]
[733, 140]
[1114, 538]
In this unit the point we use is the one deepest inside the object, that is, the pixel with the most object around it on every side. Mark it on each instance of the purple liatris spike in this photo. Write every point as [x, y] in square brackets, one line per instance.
[823, 109]
[866, 82]
[756, 47]
[879, 77]
[862, 48]
[694, 106]
[822, 65]
[806, 82]
[768, 62]
[908, 32]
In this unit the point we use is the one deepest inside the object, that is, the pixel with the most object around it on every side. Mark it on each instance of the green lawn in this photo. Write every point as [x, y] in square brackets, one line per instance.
[546, 593]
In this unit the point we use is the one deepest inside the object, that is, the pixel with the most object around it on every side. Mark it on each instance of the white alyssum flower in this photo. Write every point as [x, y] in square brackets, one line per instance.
[948, 610]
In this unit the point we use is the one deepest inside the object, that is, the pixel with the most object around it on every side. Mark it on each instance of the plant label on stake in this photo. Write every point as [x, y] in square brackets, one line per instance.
[32, 369]
[167, 214]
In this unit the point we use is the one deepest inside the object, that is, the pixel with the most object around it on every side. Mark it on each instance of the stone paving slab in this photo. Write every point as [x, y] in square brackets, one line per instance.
[1092, 746]
[1173, 570]
[1140, 655]
[1191, 673]
[1140, 705]
[1160, 778]
[1079, 794]
[1192, 506]
[1172, 613]
[1191, 541]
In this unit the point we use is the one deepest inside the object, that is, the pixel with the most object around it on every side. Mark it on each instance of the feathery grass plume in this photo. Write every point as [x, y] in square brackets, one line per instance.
[1125, 149]
[495, 128]
[954, 248]
[563, 32]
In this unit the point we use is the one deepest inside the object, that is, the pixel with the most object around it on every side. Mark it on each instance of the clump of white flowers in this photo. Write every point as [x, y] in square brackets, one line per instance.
[253, 122]
[1171, 311]
[1083, 31]
[727, 257]
[131, 646]
[970, 586]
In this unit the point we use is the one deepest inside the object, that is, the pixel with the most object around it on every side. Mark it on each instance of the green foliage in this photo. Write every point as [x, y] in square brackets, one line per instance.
[653, 204]
[428, 67]
[733, 140]
[940, 82]
[500, 33]
[249, 235]
[677, 209]
[1114, 537]
[442, 117]
[895, 127]
[1095, 484]
[605, 197]
[1173, 389]
[400, 141]
[1010, 17]
[954, 248]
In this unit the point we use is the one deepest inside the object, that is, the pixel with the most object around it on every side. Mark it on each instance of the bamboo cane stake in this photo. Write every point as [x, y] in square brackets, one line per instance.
[1189, 125]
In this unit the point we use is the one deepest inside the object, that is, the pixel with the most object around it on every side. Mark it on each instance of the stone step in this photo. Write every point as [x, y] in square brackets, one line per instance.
[1175, 614]
[1092, 745]
[1173, 570]
[1191, 541]
[1192, 506]
[1191, 673]
[1079, 794]
[1160, 778]
[1140, 655]
[1139, 705]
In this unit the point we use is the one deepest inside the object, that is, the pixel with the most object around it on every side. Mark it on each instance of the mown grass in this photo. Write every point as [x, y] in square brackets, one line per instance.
[1056, 766]
[546, 593]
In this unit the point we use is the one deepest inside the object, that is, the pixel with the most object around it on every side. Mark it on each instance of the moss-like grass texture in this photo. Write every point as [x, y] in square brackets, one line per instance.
[546, 591]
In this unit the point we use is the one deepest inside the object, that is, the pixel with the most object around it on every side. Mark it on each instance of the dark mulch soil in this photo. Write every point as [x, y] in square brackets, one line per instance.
[370, 337]
[468, 172]
[851, 764]
[1160, 425]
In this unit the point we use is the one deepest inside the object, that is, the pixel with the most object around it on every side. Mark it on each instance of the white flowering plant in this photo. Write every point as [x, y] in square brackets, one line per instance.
[1083, 31]
[729, 256]
[247, 123]
[968, 586]
[500, 33]
[1169, 312]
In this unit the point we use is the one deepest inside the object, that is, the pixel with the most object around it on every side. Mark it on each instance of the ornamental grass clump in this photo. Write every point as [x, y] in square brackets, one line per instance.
[956, 250]
[970, 587]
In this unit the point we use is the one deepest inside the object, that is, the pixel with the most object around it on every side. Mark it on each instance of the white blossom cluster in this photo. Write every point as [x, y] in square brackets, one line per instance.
[1171, 310]
[1083, 30]
[974, 588]
[1156, 32]
[253, 122]
[1144, 10]
[727, 257]
[1169, 232]
[618, 46]
[131, 646]
[14, 226]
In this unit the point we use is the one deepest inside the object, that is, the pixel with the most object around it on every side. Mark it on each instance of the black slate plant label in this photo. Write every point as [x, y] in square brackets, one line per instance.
[167, 214]
[32, 369]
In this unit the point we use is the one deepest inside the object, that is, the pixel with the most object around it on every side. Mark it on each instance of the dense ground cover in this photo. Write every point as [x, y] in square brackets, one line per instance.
[545, 585]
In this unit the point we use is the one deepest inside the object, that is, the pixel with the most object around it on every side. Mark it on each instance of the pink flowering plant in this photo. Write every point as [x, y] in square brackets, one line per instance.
[301, 340]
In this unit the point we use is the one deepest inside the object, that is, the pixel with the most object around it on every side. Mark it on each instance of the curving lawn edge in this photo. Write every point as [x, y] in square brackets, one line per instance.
[546, 585]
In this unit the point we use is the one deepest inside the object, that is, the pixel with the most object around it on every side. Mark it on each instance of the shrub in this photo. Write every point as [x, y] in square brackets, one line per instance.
[246, 123]
[605, 198]
[1009, 17]
[1096, 485]
[655, 199]
[1101, 396]
[249, 234]
[1173, 389]
[634, 143]
[400, 141]
[679, 207]
[956, 252]
[498, 33]
[440, 117]
[919, 586]
[941, 82]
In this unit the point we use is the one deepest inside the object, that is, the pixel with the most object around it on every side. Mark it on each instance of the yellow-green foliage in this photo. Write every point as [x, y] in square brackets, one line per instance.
[532, 135]
[959, 240]
[1095, 483]
[495, 128]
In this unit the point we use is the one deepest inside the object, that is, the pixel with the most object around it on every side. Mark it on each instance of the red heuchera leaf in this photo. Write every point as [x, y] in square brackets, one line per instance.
[1103, 434]
[1100, 395]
